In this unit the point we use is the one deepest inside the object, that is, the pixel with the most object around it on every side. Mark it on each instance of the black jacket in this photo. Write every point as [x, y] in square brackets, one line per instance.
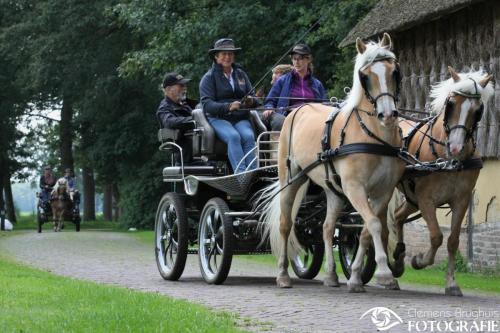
[46, 185]
[173, 115]
[216, 93]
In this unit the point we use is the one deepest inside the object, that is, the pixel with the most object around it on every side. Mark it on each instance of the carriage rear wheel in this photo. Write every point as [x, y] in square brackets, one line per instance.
[171, 236]
[215, 240]
[348, 247]
[307, 264]
[39, 220]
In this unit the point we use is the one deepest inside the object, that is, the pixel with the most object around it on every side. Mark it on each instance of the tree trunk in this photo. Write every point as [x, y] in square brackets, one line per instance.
[88, 194]
[2, 209]
[9, 199]
[116, 203]
[107, 204]
[66, 135]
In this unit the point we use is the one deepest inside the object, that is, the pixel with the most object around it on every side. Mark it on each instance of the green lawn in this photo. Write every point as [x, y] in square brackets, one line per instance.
[35, 301]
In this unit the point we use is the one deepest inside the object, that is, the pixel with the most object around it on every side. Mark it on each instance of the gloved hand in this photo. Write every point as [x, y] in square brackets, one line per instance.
[248, 102]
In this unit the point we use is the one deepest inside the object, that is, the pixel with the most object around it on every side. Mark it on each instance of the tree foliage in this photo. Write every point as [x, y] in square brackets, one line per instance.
[107, 59]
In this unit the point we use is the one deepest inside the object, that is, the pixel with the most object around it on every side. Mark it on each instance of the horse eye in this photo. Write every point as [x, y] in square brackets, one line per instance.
[450, 104]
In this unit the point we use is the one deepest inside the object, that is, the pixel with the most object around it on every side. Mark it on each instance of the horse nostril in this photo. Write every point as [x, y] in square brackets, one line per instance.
[395, 113]
[380, 116]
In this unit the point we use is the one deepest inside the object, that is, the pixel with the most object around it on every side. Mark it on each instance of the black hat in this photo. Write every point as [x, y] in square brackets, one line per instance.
[171, 79]
[47, 168]
[301, 49]
[224, 44]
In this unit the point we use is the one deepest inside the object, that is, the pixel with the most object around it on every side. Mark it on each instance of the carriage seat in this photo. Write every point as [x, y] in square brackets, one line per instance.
[210, 145]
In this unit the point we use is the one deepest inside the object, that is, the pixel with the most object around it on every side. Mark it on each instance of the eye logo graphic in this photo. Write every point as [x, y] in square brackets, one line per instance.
[383, 318]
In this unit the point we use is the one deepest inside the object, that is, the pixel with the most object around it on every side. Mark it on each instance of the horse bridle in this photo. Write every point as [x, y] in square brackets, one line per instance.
[469, 132]
[397, 77]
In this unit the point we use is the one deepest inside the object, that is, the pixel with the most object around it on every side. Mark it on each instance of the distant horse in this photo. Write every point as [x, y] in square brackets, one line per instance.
[60, 203]
[458, 104]
[367, 178]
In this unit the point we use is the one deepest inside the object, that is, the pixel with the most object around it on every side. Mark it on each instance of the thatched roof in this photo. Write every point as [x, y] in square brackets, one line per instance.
[398, 15]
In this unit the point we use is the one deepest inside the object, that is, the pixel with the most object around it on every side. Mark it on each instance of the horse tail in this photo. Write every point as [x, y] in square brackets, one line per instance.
[271, 218]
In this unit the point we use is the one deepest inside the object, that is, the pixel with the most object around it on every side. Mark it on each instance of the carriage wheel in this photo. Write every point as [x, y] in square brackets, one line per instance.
[308, 264]
[171, 237]
[348, 247]
[39, 220]
[77, 224]
[215, 239]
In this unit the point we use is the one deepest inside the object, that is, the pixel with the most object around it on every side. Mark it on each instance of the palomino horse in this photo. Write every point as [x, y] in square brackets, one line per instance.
[458, 105]
[367, 178]
[60, 203]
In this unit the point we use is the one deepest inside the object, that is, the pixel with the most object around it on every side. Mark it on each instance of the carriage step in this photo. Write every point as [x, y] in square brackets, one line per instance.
[245, 223]
[241, 213]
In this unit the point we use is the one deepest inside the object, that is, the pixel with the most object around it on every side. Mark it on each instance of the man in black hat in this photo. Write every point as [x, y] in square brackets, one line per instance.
[174, 112]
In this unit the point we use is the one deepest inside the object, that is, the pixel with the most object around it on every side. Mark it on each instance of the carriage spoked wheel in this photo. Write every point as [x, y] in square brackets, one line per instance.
[348, 247]
[215, 239]
[39, 220]
[171, 237]
[307, 264]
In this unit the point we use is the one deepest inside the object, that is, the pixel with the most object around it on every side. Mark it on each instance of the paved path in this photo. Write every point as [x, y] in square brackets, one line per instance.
[119, 259]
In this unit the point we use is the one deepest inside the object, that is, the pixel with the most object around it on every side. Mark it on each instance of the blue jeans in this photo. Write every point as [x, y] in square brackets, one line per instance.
[239, 138]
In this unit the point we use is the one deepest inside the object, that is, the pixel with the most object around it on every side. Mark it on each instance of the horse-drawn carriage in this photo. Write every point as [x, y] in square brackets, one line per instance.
[330, 183]
[68, 210]
[210, 211]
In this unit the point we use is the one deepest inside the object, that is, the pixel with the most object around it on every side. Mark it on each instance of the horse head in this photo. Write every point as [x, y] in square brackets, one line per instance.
[463, 97]
[62, 185]
[377, 75]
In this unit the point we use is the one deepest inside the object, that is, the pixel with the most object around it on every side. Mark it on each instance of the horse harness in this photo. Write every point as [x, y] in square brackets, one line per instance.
[327, 154]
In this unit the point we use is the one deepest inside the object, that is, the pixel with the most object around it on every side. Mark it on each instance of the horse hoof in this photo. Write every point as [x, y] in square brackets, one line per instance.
[414, 261]
[284, 282]
[385, 280]
[356, 288]
[331, 282]
[393, 286]
[453, 291]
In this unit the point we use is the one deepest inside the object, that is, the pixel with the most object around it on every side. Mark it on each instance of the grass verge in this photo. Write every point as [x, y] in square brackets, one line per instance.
[35, 301]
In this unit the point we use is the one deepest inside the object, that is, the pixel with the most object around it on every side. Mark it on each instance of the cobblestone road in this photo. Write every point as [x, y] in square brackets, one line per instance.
[117, 258]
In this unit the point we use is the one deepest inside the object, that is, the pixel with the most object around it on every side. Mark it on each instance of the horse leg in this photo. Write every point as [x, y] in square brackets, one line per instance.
[458, 212]
[428, 210]
[399, 254]
[334, 207]
[355, 284]
[382, 215]
[287, 199]
[359, 199]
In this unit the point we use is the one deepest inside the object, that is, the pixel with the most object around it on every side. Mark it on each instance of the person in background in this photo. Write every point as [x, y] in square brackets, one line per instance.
[296, 87]
[224, 89]
[47, 182]
[70, 178]
[274, 120]
[175, 113]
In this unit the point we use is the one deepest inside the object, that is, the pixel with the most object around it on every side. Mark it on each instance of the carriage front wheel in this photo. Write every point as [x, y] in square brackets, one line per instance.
[171, 236]
[348, 247]
[215, 240]
[307, 264]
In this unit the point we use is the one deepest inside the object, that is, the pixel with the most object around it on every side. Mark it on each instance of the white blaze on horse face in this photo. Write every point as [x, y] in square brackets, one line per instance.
[384, 103]
[457, 136]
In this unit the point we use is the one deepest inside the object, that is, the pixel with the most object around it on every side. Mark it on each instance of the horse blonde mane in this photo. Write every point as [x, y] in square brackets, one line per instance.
[440, 91]
[373, 51]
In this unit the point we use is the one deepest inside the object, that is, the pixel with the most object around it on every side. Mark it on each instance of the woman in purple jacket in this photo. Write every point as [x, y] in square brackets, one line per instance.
[293, 89]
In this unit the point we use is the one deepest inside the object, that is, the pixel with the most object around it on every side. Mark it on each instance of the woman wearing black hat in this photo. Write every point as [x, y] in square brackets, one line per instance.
[294, 88]
[221, 90]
